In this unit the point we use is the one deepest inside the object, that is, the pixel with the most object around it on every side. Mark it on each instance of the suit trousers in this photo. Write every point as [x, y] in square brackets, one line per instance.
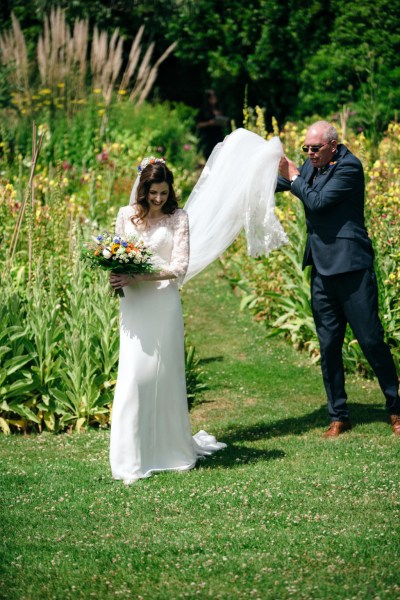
[351, 298]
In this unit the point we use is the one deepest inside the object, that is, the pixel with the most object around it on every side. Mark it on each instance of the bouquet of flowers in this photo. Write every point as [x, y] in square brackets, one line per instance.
[118, 254]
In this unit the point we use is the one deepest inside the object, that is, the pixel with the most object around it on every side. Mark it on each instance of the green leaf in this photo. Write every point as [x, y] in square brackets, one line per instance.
[4, 426]
[24, 411]
[15, 363]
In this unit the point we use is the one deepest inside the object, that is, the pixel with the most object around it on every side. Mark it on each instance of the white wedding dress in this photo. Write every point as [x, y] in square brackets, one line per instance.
[150, 429]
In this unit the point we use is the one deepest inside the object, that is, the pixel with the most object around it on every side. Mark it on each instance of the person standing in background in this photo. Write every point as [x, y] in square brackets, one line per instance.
[212, 124]
[330, 184]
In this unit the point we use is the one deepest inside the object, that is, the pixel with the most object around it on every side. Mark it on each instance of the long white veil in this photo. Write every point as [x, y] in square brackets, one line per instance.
[235, 191]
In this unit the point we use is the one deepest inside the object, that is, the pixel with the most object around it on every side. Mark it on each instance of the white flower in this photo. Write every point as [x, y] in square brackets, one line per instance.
[107, 253]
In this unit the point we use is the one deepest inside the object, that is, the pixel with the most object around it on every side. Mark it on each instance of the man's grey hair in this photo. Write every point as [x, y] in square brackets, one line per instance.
[329, 131]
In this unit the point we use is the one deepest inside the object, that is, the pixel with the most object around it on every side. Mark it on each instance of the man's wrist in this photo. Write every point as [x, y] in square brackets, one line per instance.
[293, 178]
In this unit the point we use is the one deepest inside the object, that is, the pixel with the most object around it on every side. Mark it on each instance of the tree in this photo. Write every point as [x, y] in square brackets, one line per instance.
[358, 64]
[296, 60]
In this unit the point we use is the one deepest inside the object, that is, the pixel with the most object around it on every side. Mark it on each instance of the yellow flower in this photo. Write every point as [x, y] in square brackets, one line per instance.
[122, 92]
[45, 91]
[61, 85]
[97, 91]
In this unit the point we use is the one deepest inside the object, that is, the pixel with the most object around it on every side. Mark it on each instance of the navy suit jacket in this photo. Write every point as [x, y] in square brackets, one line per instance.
[337, 240]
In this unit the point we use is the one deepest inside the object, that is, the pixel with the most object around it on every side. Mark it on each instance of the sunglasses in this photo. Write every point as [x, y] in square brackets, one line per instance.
[314, 148]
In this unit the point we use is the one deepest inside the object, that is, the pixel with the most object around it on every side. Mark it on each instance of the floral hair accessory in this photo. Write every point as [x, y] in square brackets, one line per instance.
[150, 160]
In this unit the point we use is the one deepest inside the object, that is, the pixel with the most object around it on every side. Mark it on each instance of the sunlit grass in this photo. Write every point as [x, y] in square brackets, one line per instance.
[281, 513]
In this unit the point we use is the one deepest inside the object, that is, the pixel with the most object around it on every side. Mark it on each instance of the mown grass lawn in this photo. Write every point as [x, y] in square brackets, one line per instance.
[281, 513]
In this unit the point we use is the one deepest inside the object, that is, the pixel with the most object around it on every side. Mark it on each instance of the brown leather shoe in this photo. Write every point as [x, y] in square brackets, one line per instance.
[395, 421]
[338, 427]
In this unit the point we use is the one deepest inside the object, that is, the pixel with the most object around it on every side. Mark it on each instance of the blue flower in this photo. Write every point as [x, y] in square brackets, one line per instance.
[116, 240]
[99, 237]
[124, 244]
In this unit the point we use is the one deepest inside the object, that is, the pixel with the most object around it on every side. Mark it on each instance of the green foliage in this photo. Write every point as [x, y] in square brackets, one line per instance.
[59, 338]
[297, 60]
[59, 354]
[16, 354]
[358, 65]
[194, 375]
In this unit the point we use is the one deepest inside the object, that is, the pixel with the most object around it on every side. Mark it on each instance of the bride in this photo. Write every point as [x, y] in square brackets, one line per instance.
[150, 428]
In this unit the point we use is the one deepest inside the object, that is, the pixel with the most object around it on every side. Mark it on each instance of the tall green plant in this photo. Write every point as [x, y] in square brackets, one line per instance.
[16, 355]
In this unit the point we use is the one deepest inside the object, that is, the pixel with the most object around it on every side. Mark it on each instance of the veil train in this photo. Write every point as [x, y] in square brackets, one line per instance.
[235, 191]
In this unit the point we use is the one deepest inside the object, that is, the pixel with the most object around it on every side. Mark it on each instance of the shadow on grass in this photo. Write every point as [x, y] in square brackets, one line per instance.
[235, 456]
[210, 359]
[360, 414]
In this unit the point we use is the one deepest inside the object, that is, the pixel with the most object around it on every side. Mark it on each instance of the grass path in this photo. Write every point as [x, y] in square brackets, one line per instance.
[281, 513]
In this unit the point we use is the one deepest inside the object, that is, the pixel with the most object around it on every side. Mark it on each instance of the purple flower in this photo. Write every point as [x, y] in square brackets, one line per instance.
[102, 157]
[187, 147]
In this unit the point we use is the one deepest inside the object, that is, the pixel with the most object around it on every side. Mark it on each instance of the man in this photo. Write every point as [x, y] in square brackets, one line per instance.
[330, 185]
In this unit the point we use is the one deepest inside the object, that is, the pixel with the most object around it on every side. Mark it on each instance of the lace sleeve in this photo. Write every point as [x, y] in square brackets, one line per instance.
[177, 266]
[180, 253]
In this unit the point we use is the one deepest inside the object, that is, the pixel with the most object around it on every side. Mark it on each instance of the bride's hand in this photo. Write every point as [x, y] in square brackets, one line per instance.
[120, 280]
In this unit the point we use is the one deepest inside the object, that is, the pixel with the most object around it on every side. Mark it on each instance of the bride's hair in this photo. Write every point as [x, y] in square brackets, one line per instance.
[154, 173]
